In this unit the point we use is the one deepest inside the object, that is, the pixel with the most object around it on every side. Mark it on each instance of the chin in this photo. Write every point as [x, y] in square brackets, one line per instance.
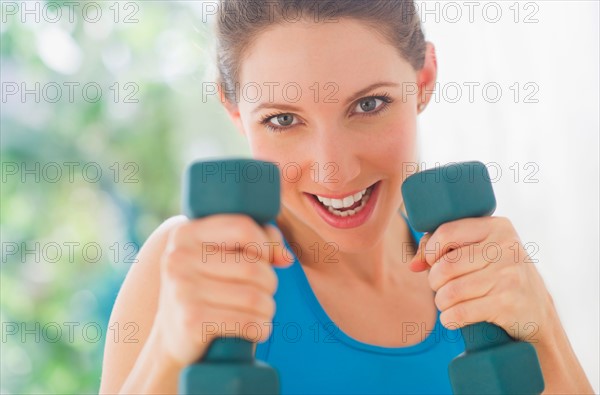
[355, 245]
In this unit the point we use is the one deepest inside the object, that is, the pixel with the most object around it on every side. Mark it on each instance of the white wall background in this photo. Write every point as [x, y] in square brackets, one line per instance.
[558, 136]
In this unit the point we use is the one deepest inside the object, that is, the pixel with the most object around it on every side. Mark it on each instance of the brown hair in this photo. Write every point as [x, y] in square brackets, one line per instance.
[239, 22]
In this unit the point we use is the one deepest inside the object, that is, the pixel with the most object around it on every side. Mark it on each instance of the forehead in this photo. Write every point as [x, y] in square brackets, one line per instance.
[346, 52]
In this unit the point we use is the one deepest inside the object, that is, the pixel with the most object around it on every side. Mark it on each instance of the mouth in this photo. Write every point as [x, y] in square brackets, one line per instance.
[346, 211]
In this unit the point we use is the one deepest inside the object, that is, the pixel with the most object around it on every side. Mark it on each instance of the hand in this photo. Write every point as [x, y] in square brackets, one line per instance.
[481, 272]
[217, 278]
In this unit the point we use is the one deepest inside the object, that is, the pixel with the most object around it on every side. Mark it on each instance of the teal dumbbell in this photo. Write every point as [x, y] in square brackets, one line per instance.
[238, 186]
[493, 362]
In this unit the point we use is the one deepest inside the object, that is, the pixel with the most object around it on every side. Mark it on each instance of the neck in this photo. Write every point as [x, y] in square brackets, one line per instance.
[380, 267]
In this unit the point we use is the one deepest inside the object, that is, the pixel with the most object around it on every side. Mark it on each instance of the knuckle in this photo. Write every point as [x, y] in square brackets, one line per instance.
[504, 222]
[256, 330]
[248, 320]
[432, 278]
[271, 280]
[249, 269]
[452, 294]
[265, 332]
[179, 232]
[270, 307]
[250, 297]
[459, 314]
[444, 267]
[444, 232]
[266, 276]
[243, 227]
[439, 300]
[251, 251]
[453, 255]
[255, 298]
[437, 274]
[447, 296]
[174, 264]
[175, 256]
[261, 302]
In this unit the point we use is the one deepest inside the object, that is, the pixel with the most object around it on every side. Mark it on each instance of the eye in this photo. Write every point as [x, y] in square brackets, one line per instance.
[284, 121]
[367, 106]
[370, 103]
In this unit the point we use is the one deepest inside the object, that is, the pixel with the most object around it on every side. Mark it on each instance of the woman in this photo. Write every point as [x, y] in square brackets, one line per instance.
[327, 88]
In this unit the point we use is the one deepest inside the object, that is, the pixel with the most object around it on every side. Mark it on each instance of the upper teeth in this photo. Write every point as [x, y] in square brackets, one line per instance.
[342, 203]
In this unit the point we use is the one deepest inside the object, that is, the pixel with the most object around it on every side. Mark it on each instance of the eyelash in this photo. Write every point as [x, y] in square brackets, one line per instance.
[384, 97]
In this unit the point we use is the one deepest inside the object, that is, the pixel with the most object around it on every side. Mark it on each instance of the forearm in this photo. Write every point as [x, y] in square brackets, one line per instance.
[153, 373]
[562, 371]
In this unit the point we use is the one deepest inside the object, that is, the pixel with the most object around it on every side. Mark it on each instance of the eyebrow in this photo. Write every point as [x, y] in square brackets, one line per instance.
[289, 107]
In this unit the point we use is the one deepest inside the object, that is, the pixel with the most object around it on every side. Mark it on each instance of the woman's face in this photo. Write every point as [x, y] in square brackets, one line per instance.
[335, 106]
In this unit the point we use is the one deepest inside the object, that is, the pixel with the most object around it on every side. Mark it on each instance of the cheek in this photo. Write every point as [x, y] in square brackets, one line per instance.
[261, 145]
[265, 145]
[386, 148]
[395, 144]
[285, 151]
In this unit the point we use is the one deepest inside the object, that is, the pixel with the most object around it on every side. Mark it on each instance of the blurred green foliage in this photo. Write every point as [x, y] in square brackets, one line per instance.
[70, 233]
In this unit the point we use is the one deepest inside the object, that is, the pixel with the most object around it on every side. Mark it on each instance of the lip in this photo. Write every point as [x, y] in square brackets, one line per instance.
[340, 196]
[347, 222]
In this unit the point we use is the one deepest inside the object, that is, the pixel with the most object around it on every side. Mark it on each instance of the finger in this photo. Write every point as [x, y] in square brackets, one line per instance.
[418, 262]
[258, 273]
[470, 312]
[230, 267]
[232, 231]
[282, 257]
[456, 263]
[253, 328]
[470, 286]
[455, 234]
[237, 296]
[418, 266]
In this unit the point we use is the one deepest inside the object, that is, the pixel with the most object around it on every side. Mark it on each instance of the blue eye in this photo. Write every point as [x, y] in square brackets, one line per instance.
[368, 107]
[284, 121]
[368, 104]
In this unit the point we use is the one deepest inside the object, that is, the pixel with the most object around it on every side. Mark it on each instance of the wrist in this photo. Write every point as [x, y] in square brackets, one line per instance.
[155, 371]
[550, 328]
[561, 368]
[158, 352]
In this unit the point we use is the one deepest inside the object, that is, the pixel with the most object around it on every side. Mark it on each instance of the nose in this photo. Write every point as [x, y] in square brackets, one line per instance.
[336, 157]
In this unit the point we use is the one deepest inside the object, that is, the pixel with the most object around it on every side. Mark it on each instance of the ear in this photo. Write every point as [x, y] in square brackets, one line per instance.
[232, 110]
[426, 77]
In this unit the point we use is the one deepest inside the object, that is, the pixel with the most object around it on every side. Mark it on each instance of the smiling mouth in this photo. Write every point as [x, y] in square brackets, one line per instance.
[347, 206]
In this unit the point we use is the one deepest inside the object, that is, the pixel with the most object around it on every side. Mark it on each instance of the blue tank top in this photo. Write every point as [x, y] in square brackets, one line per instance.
[313, 356]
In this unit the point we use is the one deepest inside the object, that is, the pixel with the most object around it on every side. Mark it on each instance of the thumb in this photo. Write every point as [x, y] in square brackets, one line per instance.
[418, 262]
[281, 256]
